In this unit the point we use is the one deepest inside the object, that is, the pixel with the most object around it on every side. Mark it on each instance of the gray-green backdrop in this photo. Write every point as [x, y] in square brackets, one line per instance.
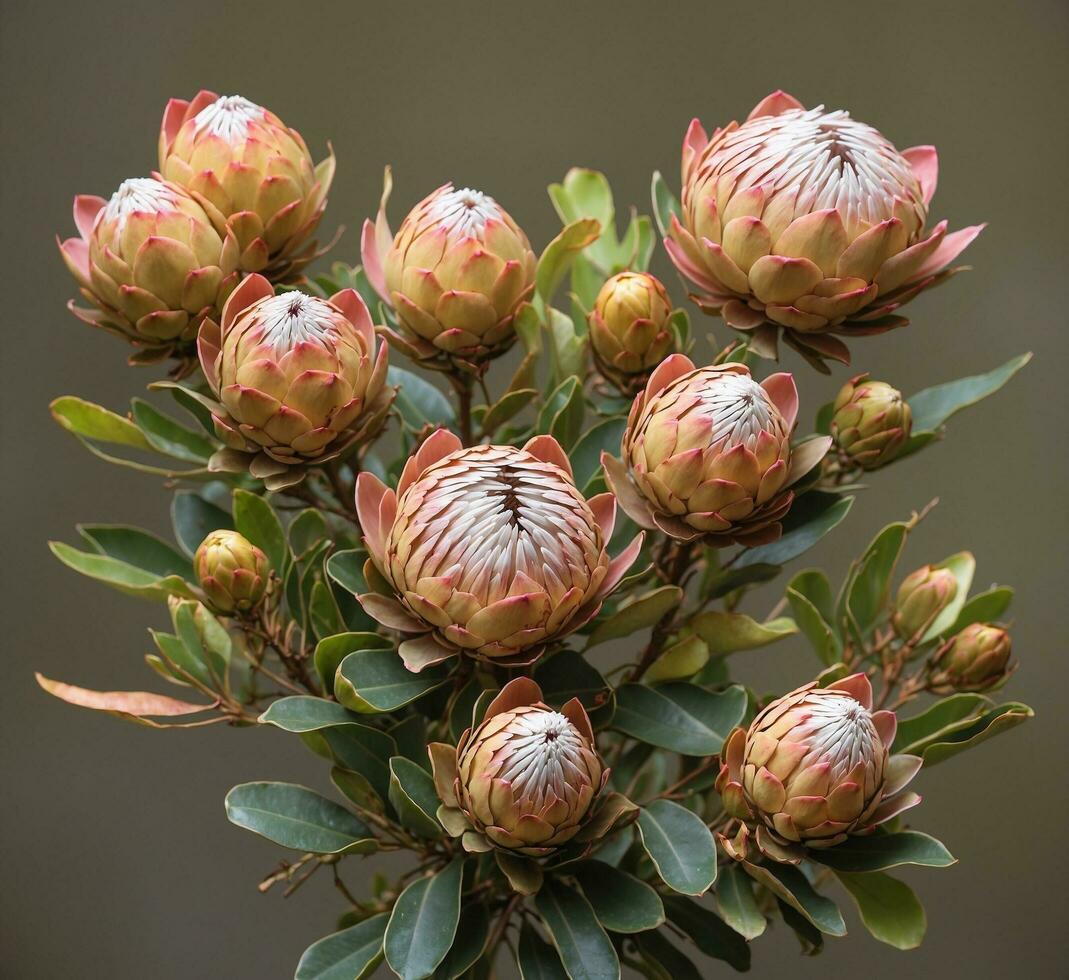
[118, 861]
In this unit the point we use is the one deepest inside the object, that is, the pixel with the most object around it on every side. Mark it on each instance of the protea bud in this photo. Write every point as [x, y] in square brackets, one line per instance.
[489, 551]
[707, 451]
[922, 596]
[807, 221]
[232, 571]
[871, 422]
[152, 263]
[298, 378]
[976, 659]
[456, 274]
[253, 172]
[629, 330]
[526, 779]
[813, 768]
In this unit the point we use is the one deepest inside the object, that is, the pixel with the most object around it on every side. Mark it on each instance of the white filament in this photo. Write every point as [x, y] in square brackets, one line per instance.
[294, 317]
[464, 211]
[228, 117]
[827, 158]
[738, 406]
[839, 731]
[139, 194]
[545, 755]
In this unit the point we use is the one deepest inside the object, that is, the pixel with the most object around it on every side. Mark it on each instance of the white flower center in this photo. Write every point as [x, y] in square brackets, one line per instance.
[738, 406]
[465, 211]
[838, 730]
[228, 117]
[485, 514]
[292, 318]
[544, 756]
[138, 194]
[828, 159]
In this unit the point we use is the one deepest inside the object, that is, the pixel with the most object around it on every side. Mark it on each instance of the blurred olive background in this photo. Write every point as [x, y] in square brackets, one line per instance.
[118, 859]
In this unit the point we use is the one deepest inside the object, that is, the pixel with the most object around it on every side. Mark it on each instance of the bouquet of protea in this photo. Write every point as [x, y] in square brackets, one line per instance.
[494, 586]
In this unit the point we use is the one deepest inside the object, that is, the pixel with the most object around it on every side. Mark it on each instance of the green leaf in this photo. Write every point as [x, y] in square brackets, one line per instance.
[726, 633]
[559, 254]
[881, 852]
[789, 884]
[583, 946]
[180, 657]
[870, 578]
[332, 650]
[737, 904]
[585, 456]
[304, 713]
[254, 518]
[92, 421]
[933, 406]
[167, 436]
[888, 907]
[364, 750]
[413, 796]
[965, 734]
[536, 959]
[460, 719]
[681, 660]
[806, 523]
[621, 902]
[568, 675]
[423, 923]
[472, 933]
[372, 681]
[680, 846]
[194, 518]
[666, 962]
[507, 407]
[121, 575]
[915, 731]
[812, 603]
[420, 402]
[986, 607]
[709, 932]
[137, 548]
[681, 717]
[351, 954]
[639, 614]
[298, 818]
[586, 193]
[562, 412]
[664, 203]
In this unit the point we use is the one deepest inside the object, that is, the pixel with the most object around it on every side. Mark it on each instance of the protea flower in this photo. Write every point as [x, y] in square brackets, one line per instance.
[525, 780]
[976, 659]
[707, 451]
[629, 329]
[298, 379]
[456, 274]
[154, 266]
[922, 596]
[232, 571]
[813, 768]
[489, 551]
[809, 222]
[255, 175]
[871, 422]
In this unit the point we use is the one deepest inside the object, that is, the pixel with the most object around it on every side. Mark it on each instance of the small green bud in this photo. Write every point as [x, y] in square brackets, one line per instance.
[871, 422]
[976, 659]
[922, 596]
[233, 572]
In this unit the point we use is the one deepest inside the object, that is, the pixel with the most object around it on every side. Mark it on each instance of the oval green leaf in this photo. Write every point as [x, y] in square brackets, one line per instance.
[584, 948]
[680, 846]
[351, 954]
[423, 923]
[680, 717]
[621, 902]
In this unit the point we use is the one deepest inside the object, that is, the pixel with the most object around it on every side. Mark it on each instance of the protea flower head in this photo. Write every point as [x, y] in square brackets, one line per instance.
[871, 422]
[976, 659]
[809, 222]
[254, 174]
[456, 274]
[629, 329]
[922, 596]
[813, 768]
[527, 779]
[298, 380]
[707, 451]
[152, 264]
[489, 551]
[232, 571]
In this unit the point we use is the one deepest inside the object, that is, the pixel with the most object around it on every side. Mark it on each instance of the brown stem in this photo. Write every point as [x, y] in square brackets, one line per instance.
[501, 925]
[677, 563]
[463, 385]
